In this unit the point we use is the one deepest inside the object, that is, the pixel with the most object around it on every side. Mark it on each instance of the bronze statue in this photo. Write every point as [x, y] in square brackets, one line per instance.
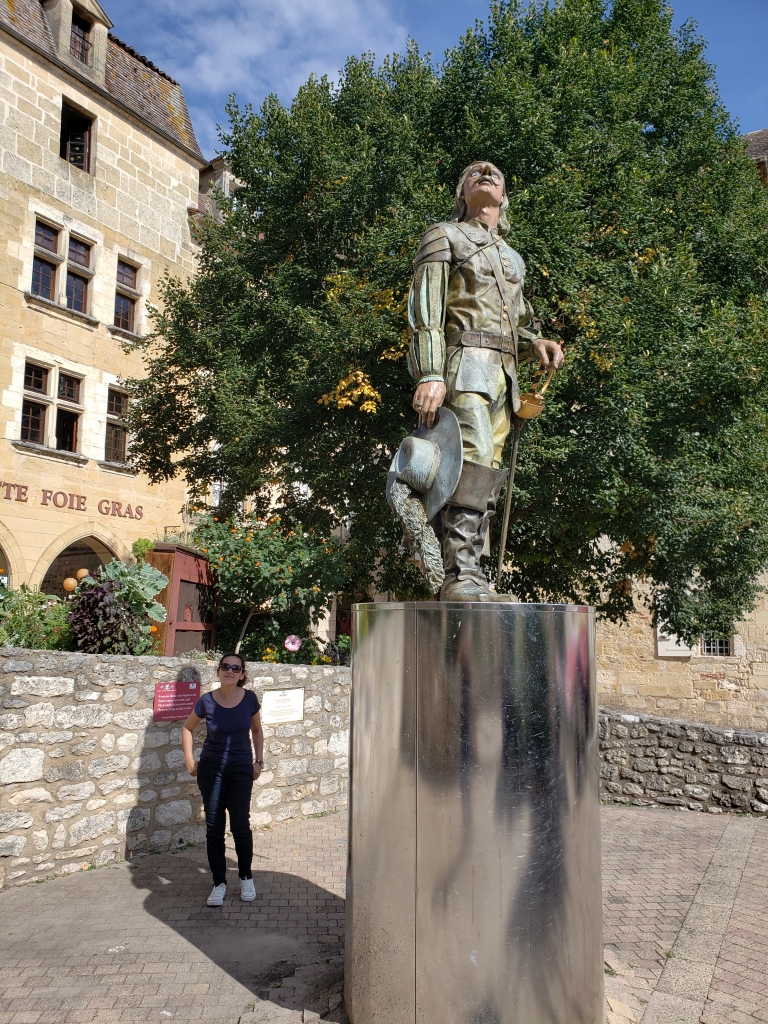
[470, 327]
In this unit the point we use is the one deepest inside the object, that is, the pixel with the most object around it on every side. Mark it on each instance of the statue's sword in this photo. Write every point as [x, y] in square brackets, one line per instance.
[531, 405]
[519, 424]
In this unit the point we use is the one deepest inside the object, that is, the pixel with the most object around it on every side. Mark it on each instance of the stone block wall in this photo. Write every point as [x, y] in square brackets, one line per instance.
[87, 777]
[729, 692]
[649, 760]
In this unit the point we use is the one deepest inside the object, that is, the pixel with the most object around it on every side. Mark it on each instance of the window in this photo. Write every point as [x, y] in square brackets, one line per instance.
[66, 430]
[126, 274]
[79, 43]
[715, 647]
[33, 423]
[77, 292]
[124, 312]
[115, 449]
[79, 252]
[69, 388]
[46, 237]
[36, 378]
[75, 144]
[117, 403]
[125, 305]
[43, 279]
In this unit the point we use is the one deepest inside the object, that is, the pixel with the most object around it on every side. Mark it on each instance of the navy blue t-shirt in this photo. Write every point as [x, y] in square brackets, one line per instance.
[228, 730]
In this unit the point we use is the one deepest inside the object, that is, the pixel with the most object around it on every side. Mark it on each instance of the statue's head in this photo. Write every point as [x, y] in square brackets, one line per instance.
[486, 178]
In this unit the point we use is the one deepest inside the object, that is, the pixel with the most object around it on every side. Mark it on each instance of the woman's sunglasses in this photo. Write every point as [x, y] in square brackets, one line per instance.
[228, 666]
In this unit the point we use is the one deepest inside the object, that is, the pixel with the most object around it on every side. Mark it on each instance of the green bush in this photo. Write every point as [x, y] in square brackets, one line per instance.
[272, 580]
[140, 547]
[34, 620]
[111, 613]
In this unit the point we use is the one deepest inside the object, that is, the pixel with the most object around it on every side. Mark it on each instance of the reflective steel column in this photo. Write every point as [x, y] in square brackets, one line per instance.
[473, 885]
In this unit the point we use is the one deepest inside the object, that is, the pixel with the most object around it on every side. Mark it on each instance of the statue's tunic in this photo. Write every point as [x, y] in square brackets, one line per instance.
[470, 327]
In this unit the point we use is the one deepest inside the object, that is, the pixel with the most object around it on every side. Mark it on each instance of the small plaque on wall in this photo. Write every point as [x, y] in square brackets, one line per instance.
[278, 707]
[174, 701]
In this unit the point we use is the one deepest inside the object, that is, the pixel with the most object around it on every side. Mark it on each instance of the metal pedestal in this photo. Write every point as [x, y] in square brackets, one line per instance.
[473, 889]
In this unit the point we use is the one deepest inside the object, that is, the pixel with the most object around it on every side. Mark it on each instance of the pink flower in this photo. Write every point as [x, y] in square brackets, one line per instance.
[292, 643]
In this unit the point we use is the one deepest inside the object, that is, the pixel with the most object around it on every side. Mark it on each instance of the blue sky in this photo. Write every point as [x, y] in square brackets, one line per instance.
[254, 47]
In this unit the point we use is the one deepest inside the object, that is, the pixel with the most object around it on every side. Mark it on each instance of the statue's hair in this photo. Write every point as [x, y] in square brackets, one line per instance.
[460, 207]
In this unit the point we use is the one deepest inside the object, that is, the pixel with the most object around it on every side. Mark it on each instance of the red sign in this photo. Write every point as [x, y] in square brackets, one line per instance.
[174, 701]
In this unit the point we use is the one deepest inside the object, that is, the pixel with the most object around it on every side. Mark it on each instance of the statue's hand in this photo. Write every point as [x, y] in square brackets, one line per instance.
[549, 352]
[428, 399]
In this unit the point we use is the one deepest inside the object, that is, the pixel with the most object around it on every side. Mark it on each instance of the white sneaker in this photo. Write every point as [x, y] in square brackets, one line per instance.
[247, 890]
[218, 892]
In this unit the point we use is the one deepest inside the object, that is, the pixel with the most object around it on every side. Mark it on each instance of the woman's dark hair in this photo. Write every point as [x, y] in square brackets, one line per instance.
[233, 654]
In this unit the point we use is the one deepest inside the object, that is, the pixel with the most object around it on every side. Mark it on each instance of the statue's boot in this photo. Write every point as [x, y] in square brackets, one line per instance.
[465, 528]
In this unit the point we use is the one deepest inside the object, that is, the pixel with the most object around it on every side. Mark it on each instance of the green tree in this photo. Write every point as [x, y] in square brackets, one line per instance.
[271, 580]
[644, 225]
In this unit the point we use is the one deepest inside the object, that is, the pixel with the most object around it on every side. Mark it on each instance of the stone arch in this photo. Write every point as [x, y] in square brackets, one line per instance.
[82, 532]
[16, 561]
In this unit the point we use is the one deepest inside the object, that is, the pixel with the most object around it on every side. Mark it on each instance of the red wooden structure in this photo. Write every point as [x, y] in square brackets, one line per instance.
[189, 599]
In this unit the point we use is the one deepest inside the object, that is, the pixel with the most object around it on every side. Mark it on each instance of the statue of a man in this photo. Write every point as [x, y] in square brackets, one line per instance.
[470, 328]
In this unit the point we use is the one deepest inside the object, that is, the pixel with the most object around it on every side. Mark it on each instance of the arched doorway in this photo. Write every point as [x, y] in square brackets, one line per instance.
[5, 569]
[88, 553]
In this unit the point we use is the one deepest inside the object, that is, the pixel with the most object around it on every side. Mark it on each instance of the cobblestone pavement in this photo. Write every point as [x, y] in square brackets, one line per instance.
[685, 923]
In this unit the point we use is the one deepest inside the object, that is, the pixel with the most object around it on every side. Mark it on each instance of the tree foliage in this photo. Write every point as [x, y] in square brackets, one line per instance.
[644, 226]
[270, 579]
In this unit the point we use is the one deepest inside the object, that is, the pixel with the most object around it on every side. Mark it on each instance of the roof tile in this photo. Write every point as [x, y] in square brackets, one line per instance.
[757, 144]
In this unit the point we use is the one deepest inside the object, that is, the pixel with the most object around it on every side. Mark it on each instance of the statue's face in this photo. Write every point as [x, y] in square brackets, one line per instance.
[485, 182]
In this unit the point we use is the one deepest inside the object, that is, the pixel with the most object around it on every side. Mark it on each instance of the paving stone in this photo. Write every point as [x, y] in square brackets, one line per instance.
[127, 942]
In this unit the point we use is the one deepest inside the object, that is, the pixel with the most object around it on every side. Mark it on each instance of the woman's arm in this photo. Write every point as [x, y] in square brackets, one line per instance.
[258, 742]
[186, 742]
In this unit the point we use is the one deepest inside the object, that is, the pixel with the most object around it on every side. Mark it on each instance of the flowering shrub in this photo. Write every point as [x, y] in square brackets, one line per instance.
[34, 620]
[110, 613]
[272, 580]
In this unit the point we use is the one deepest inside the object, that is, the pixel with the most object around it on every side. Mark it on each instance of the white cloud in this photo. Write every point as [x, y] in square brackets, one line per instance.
[252, 47]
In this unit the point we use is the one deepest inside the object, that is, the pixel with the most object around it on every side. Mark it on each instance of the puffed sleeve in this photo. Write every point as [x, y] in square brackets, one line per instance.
[528, 329]
[426, 306]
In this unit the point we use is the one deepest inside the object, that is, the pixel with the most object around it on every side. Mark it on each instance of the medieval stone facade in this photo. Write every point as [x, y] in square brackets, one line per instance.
[100, 175]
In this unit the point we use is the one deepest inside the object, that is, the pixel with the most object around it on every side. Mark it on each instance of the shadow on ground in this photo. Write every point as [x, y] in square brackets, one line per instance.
[272, 947]
[285, 949]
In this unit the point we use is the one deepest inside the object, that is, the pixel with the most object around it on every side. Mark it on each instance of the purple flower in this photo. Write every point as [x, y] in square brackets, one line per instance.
[292, 643]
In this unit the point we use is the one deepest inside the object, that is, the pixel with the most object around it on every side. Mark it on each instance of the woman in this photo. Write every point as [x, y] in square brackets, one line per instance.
[226, 770]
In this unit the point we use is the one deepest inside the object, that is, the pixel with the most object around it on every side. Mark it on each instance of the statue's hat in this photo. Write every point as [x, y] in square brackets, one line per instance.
[429, 462]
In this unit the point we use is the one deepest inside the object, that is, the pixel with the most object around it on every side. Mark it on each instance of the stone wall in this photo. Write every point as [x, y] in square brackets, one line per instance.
[731, 692]
[648, 760]
[87, 777]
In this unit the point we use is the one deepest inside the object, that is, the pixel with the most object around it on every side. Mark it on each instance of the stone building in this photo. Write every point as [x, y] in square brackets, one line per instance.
[716, 682]
[100, 179]
[757, 147]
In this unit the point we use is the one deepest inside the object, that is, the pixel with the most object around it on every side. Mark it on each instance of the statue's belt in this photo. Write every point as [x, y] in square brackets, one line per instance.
[479, 339]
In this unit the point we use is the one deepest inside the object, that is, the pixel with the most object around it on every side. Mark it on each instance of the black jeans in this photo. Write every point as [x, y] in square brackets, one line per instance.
[227, 789]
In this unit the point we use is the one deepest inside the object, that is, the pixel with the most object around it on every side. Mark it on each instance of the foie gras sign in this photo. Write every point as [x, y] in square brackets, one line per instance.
[174, 701]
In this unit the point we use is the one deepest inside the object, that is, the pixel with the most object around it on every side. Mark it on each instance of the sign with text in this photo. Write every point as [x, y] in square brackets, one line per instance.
[74, 502]
[174, 701]
[278, 707]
